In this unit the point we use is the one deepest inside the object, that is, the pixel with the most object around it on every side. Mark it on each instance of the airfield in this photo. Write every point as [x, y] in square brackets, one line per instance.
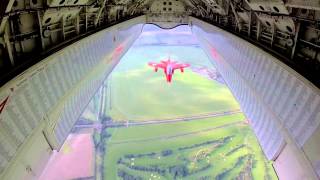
[191, 129]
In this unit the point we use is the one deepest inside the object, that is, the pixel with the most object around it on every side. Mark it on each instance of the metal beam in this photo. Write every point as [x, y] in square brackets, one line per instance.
[8, 45]
[96, 21]
[250, 23]
[273, 31]
[41, 31]
[295, 40]
[236, 16]
[63, 28]
[86, 18]
[77, 24]
[258, 29]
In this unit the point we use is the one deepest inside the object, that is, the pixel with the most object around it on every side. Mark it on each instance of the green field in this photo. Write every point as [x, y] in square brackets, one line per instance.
[221, 147]
[138, 93]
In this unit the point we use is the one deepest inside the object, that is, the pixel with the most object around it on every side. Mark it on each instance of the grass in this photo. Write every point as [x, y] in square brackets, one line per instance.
[211, 148]
[136, 132]
[138, 93]
[156, 138]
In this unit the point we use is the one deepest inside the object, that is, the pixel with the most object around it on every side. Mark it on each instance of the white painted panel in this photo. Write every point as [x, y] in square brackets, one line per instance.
[250, 80]
[55, 91]
[86, 89]
[288, 105]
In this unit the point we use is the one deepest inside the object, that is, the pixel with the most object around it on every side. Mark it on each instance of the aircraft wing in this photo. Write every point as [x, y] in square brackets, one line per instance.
[156, 65]
[182, 65]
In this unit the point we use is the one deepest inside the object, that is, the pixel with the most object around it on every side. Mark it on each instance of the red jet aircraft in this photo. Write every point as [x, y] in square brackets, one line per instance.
[168, 67]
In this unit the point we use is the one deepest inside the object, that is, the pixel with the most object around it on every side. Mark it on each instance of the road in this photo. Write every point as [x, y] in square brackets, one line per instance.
[177, 135]
[128, 123]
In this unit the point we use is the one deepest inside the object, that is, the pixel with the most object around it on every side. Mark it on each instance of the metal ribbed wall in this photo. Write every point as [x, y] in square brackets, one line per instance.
[280, 104]
[96, 52]
[53, 93]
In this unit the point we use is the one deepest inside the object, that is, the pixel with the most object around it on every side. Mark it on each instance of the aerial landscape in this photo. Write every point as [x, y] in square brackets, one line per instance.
[191, 128]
